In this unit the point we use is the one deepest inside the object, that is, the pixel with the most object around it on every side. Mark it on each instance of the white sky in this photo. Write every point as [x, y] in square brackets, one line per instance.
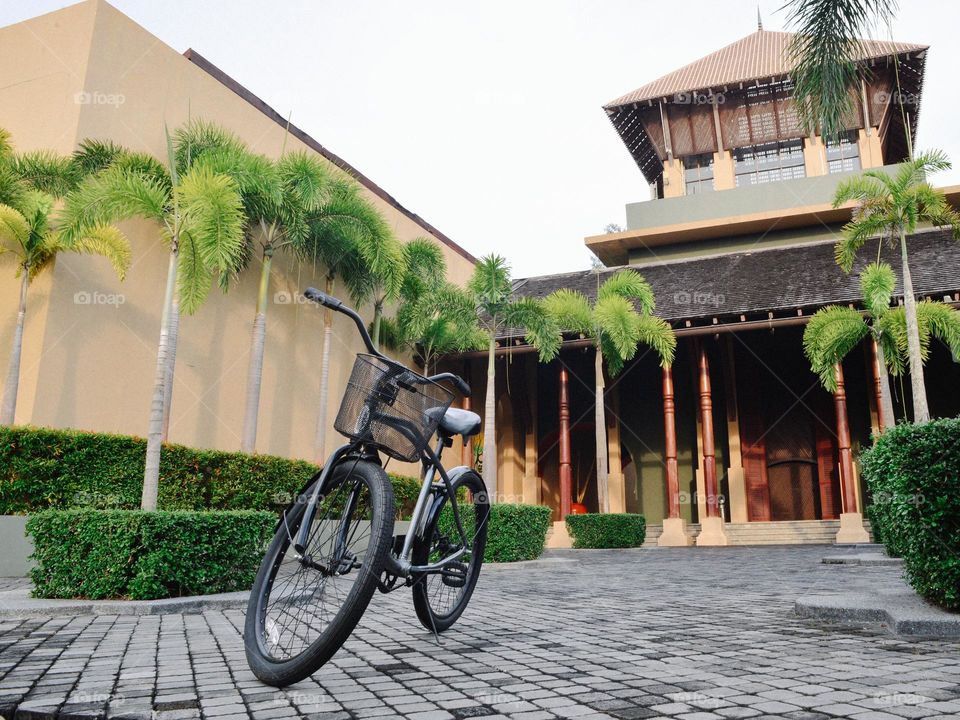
[485, 118]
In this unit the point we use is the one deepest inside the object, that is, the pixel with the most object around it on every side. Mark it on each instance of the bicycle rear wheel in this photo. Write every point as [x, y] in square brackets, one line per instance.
[303, 608]
[440, 598]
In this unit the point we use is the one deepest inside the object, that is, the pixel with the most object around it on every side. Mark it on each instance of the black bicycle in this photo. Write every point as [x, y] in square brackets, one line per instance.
[335, 545]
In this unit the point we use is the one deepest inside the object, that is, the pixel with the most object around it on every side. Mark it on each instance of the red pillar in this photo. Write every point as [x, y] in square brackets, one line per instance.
[566, 465]
[848, 489]
[877, 392]
[670, 444]
[706, 429]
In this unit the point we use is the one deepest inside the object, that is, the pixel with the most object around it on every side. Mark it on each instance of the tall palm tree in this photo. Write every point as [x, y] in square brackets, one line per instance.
[825, 50]
[497, 309]
[29, 237]
[384, 267]
[890, 207]
[200, 216]
[30, 185]
[835, 330]
[616, 328]
[338, 231]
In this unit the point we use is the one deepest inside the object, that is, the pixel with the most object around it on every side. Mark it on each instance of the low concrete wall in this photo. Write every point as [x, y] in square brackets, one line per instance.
[17, 547]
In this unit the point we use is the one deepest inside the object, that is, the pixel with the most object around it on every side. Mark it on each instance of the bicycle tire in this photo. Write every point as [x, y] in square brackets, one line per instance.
[259, 635]
[431, 588]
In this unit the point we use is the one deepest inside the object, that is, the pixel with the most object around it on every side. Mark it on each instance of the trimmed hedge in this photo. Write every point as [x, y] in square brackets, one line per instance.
[42, 468]
[146, 555]
[913, 472]
[607, 530]
[514, 532]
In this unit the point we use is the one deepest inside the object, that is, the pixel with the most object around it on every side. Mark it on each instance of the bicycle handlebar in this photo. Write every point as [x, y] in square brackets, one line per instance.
[337, 305]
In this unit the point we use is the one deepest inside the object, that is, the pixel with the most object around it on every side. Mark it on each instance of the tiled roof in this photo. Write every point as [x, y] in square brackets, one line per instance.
[762, 54]
[803, 276]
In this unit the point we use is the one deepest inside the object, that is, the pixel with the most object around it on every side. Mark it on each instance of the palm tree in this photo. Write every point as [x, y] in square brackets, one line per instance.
[200, 216]
[496, 309]
[384, 267]
[835, 330]
[889, 206]
[29, 237]
[30, 185]
[343, 231]
[616, 328]
[825, 50]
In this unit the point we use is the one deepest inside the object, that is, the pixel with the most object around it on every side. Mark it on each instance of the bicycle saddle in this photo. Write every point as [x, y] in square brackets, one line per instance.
[458, 422]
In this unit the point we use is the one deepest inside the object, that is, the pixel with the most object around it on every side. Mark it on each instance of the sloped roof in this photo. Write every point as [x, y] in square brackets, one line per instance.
[762, 54]
[803, 276]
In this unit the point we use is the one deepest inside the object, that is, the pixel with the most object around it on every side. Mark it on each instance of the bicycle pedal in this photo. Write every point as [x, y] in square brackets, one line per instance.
[455, 574]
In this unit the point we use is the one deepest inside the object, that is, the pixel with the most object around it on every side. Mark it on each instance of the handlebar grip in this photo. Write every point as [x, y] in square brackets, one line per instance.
[462, 386]
[320, 297]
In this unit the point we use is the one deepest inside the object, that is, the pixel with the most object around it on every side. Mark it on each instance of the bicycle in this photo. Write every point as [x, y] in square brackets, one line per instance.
[334, 546]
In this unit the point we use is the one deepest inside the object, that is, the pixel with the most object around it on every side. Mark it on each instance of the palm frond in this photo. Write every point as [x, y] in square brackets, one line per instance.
[92, 156]
[656, 333]
[47, 171]
[305, 179]
[877, 283]
[424, 267]
[540, 329]
[6, 145]
[110, 196]
[490, 284]
[107, 241]
[14, 231]
[616, 319]
[213, 211]
[198, 137]
[571, 311]
[194, 278]
[825, 50]
[829, 336]
[630, 285]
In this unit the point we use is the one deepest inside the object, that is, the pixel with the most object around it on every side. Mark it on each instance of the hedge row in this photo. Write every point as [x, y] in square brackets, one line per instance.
[913, 472]
[42, 468]
[607, 530]
[514, 532]
[145, 555]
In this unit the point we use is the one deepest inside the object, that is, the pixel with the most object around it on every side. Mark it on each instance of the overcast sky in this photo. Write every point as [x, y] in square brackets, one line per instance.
[485, 118]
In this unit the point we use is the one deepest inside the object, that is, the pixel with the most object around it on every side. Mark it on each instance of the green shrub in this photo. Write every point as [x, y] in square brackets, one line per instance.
[42, 468]
[145, 555]
[607, 530]
[516, 532]
[913, 472]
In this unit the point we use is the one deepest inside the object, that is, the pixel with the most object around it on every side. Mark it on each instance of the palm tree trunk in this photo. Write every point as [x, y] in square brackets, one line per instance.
[151, 472]
[320, 439]
[12, 387]
[171, 365]
[921, 413]
[375, 330]
[248, 441]
[889, 418]
[489, 424]
[600, 421]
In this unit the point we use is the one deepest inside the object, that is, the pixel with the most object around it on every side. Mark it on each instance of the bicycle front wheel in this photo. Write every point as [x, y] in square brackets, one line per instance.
[440, 598]
[302, 608]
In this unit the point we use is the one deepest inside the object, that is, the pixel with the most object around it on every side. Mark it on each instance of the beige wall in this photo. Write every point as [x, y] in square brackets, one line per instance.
[91, 366]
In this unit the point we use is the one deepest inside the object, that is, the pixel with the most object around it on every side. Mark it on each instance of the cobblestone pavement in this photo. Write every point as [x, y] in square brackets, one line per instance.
[692, 634]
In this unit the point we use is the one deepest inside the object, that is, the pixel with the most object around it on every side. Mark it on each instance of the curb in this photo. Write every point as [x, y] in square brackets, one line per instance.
[865, 559]
[902, 612]
[19, 604]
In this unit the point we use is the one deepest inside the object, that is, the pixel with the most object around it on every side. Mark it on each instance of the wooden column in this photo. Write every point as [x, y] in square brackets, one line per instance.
[877, 391]
[670, 444]
[466, 455]
[847, 483]
[566, 467]
[706, 428]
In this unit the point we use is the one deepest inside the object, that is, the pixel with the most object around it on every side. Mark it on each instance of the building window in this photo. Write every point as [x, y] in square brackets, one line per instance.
[769, 162]
[843, 155]
[698, 173]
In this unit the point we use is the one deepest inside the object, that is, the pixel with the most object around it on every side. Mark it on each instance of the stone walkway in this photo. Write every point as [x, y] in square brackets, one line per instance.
[693, 634]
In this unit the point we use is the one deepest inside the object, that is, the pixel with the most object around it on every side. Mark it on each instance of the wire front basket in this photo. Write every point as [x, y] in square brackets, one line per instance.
[392, 407]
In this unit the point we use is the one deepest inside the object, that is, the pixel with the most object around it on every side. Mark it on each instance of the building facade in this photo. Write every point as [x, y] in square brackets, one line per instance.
[737, 442]
[90, 341]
